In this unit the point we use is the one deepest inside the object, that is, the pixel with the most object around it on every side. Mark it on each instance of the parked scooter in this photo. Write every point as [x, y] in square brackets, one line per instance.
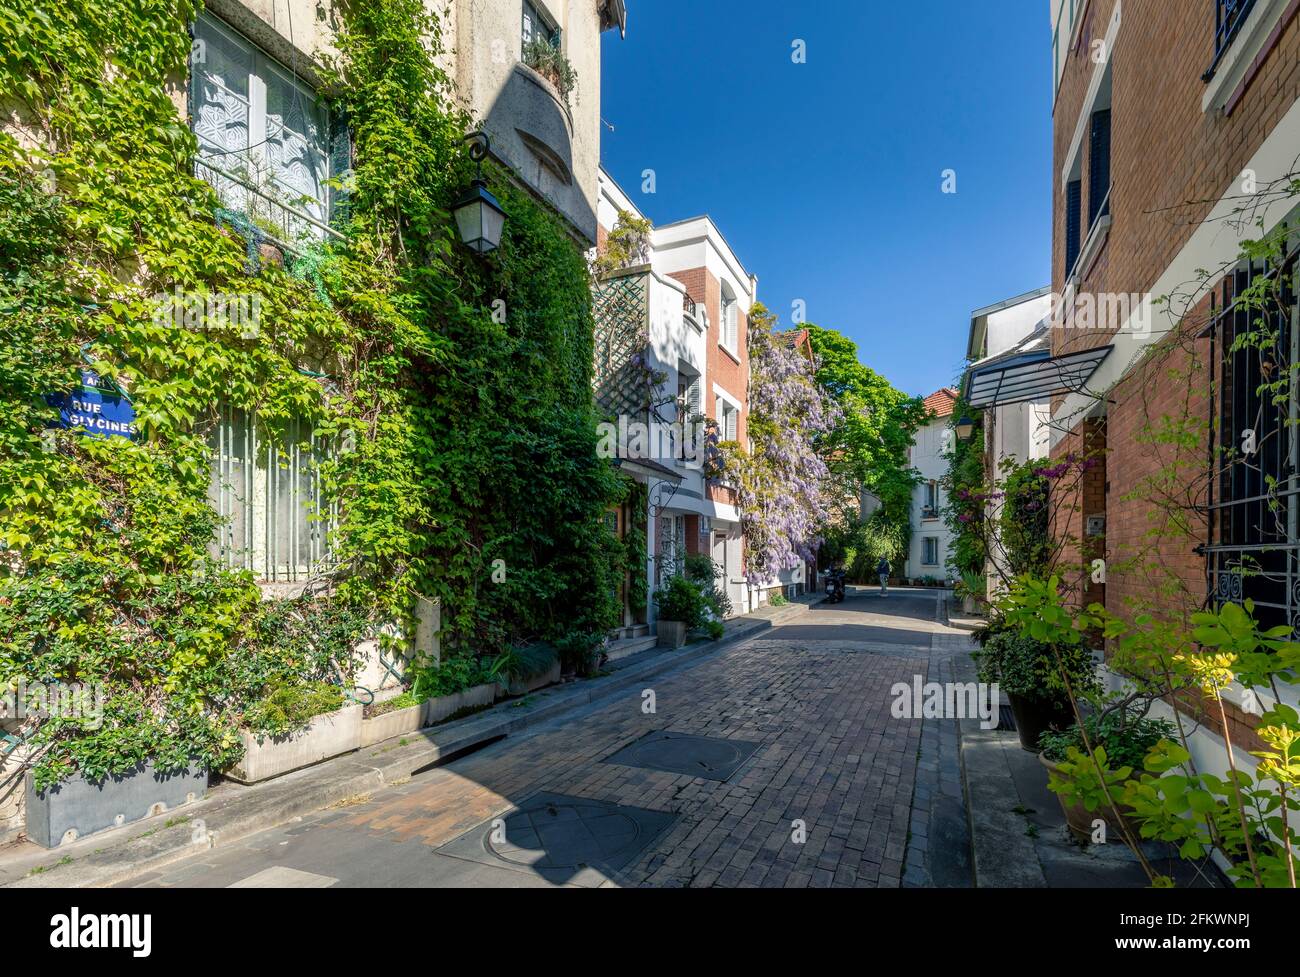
[834, 585]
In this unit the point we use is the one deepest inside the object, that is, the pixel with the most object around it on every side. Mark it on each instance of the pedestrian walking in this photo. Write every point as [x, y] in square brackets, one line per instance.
[882, 571]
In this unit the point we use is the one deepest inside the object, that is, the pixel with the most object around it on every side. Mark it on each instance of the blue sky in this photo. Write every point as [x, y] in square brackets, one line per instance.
[825, 177]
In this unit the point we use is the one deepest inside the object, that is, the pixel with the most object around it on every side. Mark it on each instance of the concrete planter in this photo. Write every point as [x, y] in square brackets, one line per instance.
[672, 634]
[444, 707]
[327, 736]
[390, 724]
[78, 807]
[523, 686]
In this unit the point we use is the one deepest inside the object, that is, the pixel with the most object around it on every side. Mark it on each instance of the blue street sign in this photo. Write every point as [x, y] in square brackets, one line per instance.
[97, 407]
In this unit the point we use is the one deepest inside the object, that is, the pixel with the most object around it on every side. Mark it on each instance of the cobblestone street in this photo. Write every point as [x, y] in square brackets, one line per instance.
[830, 790]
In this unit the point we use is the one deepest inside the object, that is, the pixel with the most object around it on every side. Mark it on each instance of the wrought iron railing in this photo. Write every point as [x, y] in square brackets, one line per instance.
[287, 224]
[688, 305]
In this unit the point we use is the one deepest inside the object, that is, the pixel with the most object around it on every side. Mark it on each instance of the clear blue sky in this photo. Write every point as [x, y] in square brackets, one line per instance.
[825, 177]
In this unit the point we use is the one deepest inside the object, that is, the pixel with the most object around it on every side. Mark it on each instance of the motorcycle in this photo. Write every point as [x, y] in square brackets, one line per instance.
[834, 586]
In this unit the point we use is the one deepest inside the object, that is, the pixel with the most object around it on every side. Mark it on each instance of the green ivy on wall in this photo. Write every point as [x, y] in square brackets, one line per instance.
[472, 434]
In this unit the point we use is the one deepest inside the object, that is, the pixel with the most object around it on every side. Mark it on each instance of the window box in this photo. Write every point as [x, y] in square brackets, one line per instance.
[78, 807]
[330, 735]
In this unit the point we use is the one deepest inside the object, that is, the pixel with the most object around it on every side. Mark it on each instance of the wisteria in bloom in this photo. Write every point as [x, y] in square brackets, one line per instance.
[783, 484]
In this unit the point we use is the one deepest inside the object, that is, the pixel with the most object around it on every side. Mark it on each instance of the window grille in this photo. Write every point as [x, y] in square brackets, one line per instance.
[268, 494]
[1254, 493]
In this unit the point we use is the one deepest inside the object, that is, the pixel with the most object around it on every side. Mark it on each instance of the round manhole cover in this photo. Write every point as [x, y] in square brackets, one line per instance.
[695, 752]
[561, 835]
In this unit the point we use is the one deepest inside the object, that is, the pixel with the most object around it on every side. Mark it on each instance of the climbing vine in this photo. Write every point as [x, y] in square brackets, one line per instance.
[466, 440]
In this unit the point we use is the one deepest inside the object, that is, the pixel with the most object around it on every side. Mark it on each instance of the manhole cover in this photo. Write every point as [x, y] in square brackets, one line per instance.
[695, 756]
[562, 838]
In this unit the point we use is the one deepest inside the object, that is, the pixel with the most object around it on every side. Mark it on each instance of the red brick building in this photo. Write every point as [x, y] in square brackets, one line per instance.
[1175, 127]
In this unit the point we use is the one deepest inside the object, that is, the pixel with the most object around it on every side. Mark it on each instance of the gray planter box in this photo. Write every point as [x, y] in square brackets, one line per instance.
[672, 634]
[78, 807]
[523, 686]
[390, 724]
[444, 707]
[327, 736]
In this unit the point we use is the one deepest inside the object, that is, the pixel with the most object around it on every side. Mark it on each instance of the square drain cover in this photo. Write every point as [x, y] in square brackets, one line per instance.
[695, 756]
[566, 840]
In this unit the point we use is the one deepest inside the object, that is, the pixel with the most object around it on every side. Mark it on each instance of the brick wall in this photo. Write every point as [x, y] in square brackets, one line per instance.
[727, 372]
[1165, 151]
[1170, 163]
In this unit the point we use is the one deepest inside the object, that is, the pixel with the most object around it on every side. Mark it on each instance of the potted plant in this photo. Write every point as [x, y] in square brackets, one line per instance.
[549, 61]
[1030, 674]
[1125, 736]
[393, 717]
[681, 605]
[971, 588]
[294, 726]
[455, 684]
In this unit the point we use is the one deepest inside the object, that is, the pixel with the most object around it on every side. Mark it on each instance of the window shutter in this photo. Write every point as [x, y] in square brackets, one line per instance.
[1073, 206]
[1098, 166]
[340, 150]
[732, 416]
[693, 397]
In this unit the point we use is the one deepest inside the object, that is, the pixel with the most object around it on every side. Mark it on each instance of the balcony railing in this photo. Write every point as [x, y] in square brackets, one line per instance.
[1229, 16]
[280, 222]
[688, 305]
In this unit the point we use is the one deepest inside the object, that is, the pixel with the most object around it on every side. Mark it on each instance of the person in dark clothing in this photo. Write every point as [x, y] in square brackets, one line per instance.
[882, 571]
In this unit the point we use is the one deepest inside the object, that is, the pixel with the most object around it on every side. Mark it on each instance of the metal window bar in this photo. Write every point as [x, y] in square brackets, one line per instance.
[287, 213]
[1253, 505]
[1229, 16]
[269, 497]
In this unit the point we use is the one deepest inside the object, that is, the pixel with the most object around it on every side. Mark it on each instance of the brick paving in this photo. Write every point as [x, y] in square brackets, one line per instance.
[825, 800]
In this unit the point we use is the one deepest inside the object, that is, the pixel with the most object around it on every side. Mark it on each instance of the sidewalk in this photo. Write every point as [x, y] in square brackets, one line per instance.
[232, 811]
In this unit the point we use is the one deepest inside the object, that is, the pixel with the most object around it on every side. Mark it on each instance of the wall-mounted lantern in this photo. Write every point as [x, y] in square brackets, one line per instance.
[479, 217]
[965, 428]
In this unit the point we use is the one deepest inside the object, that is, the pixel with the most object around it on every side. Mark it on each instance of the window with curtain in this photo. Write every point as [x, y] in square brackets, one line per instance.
[264, 137]
[930, 557]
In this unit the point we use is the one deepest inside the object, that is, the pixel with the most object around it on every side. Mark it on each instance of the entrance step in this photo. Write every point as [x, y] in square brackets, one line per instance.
[630, 646]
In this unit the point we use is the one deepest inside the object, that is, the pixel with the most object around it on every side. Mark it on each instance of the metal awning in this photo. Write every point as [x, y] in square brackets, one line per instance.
[1032, 376]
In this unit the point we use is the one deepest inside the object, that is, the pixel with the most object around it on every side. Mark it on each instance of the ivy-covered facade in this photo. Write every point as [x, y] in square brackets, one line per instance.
[389, 421]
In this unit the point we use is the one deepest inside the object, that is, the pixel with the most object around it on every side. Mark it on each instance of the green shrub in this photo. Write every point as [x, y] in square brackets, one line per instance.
[289, 708]
[456, 673]
[682, 599]
[705, 573]
[1027, 668]
[548, 61]
[1127, 738]
[715, 629]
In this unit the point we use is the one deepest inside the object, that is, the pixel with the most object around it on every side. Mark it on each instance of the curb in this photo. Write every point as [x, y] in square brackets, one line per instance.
[230, 817]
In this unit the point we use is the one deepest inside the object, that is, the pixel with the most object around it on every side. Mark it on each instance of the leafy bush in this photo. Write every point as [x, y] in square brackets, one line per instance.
[1027, 668]
[290, 708]
[454, 674]
[549, 62]
[715, 630]
[580, 653]
[705, 573]
[682, 599]
[1127, 738]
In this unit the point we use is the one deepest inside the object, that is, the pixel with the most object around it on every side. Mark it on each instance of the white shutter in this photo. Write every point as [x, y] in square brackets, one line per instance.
[730, 419]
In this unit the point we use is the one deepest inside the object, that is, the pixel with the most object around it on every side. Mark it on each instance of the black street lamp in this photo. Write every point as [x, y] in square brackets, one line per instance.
[479, 217]
[965, 428]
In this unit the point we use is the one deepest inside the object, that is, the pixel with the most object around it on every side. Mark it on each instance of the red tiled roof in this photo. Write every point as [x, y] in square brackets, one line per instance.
[941, 402]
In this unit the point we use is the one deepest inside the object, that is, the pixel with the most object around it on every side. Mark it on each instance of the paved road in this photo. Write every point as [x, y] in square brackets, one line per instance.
[775, 762]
